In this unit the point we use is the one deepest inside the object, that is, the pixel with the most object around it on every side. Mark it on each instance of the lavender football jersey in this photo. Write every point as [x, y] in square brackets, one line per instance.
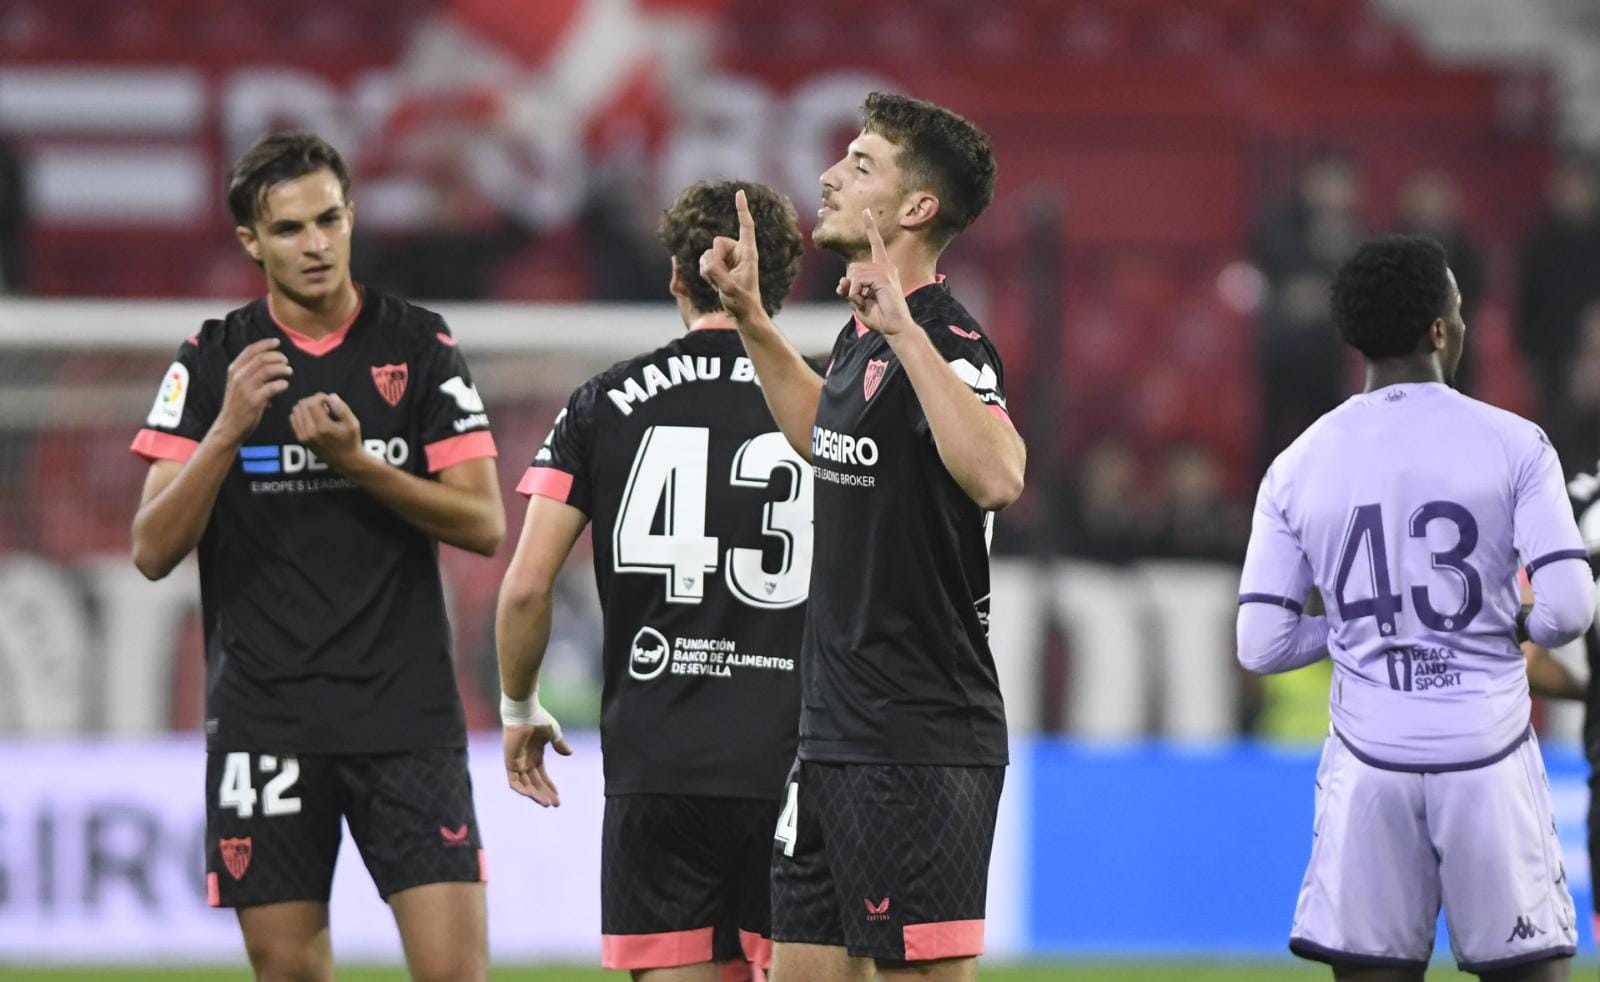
[1409, 509]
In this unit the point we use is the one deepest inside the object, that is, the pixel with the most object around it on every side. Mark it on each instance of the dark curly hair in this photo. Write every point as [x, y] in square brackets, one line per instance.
[279, 157]
[1387, 295]
[706, 210]
[939, 152]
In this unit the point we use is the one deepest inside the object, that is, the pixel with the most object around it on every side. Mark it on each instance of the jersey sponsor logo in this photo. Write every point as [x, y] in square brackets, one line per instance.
[648, 654]
[473, 421]
[982, 381]
[454, 837]
[465, 394]
[679, 370]
[877, 911]
[876, 369]
[391, 381]
[842, 448]
[168, 409]
[969, 335]
[292, 458]
[236, 856]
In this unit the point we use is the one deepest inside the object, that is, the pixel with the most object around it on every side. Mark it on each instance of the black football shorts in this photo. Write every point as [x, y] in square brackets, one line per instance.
[684, 879]
[888, 861]
[272, 822]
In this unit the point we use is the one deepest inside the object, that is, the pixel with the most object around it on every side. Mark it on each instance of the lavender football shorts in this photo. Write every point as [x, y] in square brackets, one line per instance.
[1389, 846]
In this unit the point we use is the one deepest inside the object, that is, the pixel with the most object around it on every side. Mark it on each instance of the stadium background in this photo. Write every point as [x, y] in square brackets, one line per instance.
[1177, 181]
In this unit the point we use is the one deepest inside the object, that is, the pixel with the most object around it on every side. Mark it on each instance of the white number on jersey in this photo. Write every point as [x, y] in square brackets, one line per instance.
[789, 820]
[237, 791]
[669, 476]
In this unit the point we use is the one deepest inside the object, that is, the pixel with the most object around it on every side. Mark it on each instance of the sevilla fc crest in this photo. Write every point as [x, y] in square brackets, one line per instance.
[236, 856]
[875, 371]
[391, 382]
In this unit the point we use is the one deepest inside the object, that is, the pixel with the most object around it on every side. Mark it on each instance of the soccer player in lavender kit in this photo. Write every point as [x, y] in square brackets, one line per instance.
[882, 849]
[1409, 508]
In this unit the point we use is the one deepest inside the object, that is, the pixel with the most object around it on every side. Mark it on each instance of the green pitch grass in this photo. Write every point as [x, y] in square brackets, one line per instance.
[1039, 972]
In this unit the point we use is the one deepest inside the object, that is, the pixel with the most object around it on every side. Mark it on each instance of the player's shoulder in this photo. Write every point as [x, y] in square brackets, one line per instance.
[947, 321]
[417, 326]
[1516, 433]
[223, 337]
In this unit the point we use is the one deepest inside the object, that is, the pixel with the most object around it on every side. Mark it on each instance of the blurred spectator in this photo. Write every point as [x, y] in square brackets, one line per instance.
[1197, 518]
[1430, 204]
[1106, 517]
[617, 224]
[1582, 378]
[13, 220]
[1297, 245]
[1559, 276]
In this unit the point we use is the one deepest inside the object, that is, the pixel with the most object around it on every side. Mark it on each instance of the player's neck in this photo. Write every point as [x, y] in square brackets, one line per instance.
[916, 265]
[717, 320]
[317, 318]
[1402, 371]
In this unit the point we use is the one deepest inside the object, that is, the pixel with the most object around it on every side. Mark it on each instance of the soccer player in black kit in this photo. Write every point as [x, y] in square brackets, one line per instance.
[316, 446]
[882, 849]
[703, 610]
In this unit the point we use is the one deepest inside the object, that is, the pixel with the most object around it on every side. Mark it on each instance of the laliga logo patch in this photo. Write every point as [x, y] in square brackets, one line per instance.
[649, 654]
[391, 381]
[168, 409]
[876, 369]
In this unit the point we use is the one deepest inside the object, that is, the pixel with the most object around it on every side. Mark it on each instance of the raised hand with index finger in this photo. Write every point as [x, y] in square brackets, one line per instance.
[873, 287]
[733, 267]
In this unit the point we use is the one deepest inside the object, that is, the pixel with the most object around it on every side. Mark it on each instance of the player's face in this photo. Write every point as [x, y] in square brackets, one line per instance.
[1455, 331]
[867, 177]
[302, 236]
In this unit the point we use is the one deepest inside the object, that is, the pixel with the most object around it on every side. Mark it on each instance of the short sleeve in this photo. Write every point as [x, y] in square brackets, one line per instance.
[184, 408]
[1543, 527]
[974, 359]
[452, 420]
[562, 468]
[1276, 569]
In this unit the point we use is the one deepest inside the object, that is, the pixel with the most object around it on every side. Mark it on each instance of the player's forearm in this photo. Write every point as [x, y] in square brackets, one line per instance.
[170, 525]
[790, 386]
[1275, 639]
[522, 633]
[1563, 602]
[1548, 677]
[468, 518]
[981, 450]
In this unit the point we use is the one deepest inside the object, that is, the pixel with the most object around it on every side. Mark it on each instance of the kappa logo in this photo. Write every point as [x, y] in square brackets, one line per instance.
[391, 381]
[1524, 930]
[236, 856]
[969, 335]
[649, 654]
[466, 396]
[454, 837]
[876, 369]
[877, 911]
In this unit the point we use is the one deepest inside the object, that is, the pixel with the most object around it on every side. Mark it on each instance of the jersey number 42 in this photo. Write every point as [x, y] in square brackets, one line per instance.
[669, 477]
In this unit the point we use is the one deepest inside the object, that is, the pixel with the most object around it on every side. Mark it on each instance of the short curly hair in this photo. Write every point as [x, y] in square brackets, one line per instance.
[940, 152]
[1388, 294]
[275, 158]
[706, 210]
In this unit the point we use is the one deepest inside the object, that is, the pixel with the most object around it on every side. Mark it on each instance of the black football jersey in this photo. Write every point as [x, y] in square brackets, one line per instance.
[1584, 490]
[897, 668]
[701, 515]
[324, 615]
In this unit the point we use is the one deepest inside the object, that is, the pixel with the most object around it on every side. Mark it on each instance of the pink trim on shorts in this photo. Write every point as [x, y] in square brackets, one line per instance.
[546, 482]
[453, 450]
[670, 949]
[154, 445]
[213, 891]
[943, 939]
[757, 950]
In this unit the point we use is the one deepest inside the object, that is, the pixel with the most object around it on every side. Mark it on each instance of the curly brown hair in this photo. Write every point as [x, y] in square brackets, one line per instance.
[939, 152]
[706, 210]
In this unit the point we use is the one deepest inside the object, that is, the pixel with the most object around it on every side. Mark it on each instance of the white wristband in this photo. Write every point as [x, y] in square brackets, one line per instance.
[528, 712]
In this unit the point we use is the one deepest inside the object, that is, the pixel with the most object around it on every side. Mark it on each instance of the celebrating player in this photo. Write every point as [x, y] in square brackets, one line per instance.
[1408, 507]
[883, 845]
[316, 445]
[702, 618]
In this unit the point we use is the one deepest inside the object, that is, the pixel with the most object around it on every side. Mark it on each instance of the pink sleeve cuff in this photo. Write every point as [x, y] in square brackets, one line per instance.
[546, 482]
[454, 450]
[154, 445]
[1001, 412]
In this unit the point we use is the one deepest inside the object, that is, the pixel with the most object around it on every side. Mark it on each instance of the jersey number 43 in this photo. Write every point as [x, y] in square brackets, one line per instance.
[669, 477]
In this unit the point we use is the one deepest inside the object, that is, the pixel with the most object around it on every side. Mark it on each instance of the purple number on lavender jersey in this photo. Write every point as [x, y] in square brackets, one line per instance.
[1366, 523]
[1453, 560]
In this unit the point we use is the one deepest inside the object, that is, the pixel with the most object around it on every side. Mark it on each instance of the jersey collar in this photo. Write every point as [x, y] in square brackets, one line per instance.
[938, 280]
[317, 347]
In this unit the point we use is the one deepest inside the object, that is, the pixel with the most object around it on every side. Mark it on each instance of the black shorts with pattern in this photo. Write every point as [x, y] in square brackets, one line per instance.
[272, 822]
[684, 879]
[889, 861]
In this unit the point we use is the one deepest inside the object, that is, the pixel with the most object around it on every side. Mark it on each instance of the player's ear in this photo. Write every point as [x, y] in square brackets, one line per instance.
[919, 210]
[1438, 335]
[675, 284]
[247, 239]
